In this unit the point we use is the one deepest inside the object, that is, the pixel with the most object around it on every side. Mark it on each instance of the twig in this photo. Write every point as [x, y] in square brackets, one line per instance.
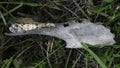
[71, 12]
[81, 10]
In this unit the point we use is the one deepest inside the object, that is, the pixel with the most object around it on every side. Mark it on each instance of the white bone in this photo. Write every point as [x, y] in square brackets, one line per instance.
[74, 32]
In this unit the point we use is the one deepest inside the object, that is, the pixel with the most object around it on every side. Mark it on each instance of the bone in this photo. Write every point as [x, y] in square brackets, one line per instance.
[73, 33]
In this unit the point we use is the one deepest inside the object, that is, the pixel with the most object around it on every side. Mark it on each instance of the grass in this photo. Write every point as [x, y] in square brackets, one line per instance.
[47, 52]
[102, 64]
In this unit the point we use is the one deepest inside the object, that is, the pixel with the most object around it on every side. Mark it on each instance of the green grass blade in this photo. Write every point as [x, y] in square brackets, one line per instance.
[5, 10]
[12, 10]
[68, 58]
[47, 57]
[7, 63]
[28, 4]
[94, 55]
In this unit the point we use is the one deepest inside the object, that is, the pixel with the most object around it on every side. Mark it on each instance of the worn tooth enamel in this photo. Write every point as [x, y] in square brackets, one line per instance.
[50, 24]
[25, 27]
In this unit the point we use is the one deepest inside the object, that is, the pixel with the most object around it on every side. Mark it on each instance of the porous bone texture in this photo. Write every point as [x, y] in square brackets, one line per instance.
[73, 33]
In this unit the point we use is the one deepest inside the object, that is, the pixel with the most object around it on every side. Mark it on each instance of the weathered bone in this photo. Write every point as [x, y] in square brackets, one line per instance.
[74, 32]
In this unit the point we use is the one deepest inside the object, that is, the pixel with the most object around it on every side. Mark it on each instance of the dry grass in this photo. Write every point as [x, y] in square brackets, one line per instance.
[48, 52]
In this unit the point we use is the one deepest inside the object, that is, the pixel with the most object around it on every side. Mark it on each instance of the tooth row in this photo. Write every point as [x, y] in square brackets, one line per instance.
[25, 27]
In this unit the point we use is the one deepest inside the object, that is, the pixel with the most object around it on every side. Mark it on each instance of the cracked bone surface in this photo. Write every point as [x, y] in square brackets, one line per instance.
[73, 33]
